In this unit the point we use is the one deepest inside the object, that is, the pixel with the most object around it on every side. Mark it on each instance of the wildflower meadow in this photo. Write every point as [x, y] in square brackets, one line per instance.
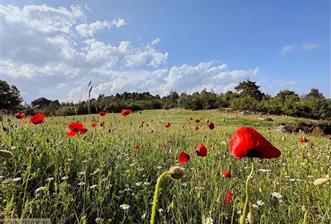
[163, 166]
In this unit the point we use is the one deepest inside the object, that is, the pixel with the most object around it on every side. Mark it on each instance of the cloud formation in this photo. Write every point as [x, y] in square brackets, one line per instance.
[299, 47]
[88, 30]
[55, 52]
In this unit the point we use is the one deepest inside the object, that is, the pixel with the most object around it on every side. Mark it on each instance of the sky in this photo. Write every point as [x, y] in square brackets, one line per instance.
[53, 49]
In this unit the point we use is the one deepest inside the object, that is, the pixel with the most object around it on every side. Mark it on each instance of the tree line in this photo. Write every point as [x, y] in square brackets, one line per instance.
[247, 96]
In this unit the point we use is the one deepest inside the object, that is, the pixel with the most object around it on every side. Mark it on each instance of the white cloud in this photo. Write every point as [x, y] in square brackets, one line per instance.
[184, 78]
[299, 47]
[53, 52]
[42, 18]
[310, 46]
[88, 30]
[287, 48]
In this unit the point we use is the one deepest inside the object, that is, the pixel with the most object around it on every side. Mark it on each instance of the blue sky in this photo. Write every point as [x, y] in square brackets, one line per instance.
[180, 45]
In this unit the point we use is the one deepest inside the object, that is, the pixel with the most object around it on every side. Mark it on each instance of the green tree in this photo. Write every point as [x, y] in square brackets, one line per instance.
[41, 103]
[249, 88]
[315, 94]
[171, 100]
[10, 98]
[283, 94]
[208, 99]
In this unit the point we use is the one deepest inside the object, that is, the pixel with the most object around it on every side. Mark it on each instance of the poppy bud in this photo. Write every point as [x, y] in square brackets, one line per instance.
[4, 154]
[176, 172]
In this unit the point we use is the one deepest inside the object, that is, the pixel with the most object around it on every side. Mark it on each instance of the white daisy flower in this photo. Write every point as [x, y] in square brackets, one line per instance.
[65, 178]
[276, 195]
[208, 220]
[264, 170]
[16, 179]
[93, 186]
[124, 206]
[260, 203]
[98, 220]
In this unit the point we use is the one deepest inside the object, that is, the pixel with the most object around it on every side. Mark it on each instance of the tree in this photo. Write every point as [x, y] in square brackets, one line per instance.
[249, 88]
[171, 100]
[41, 103]
[208, 99]
[283, 94]
[314, 94]
[10, 98]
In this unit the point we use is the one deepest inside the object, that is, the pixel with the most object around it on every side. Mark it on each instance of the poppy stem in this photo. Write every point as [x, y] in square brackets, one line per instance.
[242, 218]
[156, 195]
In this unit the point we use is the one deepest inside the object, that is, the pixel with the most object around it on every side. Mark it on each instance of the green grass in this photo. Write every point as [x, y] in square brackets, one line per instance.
[114, 173]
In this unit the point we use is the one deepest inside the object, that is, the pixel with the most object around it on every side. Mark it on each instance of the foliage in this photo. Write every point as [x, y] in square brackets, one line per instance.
[249, 88]
[10, 98]
[247, 98]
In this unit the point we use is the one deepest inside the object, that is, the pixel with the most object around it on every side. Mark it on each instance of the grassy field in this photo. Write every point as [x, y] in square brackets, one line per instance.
[108, 174]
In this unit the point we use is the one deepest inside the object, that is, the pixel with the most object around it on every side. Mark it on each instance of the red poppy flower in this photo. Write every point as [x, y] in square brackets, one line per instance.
[183, 157]
[76, 128]
[201, 150]
[303, 139]
[211, 126]
[197, 121]
[196, 128]
[126, 112]
[247, 142]
[226, 173]
[20, 115]
[167, 124]
[102, 113]
[228, 198]
[37, 119]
